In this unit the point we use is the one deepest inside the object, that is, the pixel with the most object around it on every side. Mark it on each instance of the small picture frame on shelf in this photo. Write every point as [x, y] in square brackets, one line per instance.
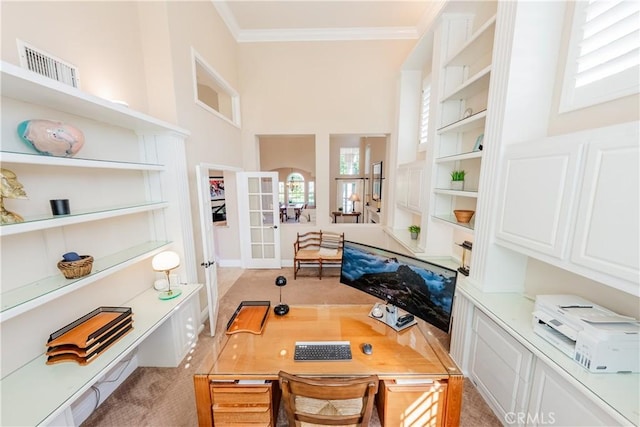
[478, 145]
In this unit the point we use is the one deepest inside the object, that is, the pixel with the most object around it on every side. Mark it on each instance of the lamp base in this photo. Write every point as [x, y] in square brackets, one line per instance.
[281, 309]
[169, 294]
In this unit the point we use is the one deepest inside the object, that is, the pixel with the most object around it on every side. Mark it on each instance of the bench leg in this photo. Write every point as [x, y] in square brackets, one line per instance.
[320, 275]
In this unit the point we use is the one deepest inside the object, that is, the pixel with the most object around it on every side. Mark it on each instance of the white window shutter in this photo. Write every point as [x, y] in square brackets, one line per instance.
[604, 53]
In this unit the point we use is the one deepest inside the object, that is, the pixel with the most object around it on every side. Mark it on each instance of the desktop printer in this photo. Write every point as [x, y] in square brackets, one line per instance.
[598, 339]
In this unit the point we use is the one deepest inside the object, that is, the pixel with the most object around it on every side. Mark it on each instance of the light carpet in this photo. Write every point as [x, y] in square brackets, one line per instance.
[165, 396]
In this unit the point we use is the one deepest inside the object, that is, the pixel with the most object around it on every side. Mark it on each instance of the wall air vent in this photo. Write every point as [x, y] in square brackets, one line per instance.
[47, 65]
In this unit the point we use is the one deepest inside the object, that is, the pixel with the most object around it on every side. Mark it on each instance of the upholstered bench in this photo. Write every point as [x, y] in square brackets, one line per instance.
[317, 248]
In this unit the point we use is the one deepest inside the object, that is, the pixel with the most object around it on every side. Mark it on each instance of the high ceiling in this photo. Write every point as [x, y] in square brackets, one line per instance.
[268, 20]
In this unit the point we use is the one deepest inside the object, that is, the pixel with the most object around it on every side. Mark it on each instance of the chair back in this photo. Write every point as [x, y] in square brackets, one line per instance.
[329, 400]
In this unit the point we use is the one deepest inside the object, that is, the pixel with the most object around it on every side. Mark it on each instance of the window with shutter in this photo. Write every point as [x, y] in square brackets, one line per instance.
[424, 113]
[604, 53]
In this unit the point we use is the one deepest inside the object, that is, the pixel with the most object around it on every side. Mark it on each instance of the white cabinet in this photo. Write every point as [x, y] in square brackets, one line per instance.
[171, 342]
[572, 200]
[499, 366]
[554, 401]
[524, 378]
[409, 188]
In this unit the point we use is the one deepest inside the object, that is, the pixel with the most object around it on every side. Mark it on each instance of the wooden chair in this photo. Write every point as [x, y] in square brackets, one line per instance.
[328, 401]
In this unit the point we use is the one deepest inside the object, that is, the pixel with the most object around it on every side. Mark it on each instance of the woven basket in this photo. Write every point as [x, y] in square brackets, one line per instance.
[463, 216]
[75, 269]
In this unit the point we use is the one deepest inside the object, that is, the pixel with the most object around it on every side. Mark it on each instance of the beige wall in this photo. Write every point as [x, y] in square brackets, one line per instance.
[282, 152]
[213, 140]
[321, 88]
[102, 39]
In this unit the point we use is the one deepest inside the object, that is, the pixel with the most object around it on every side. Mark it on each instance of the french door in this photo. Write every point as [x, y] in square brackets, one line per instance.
[259, 215]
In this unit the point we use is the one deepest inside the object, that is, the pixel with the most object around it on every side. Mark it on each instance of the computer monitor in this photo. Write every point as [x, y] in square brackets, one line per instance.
[416, 286]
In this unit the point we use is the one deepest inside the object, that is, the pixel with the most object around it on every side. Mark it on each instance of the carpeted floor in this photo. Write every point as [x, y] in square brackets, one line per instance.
[164, 396]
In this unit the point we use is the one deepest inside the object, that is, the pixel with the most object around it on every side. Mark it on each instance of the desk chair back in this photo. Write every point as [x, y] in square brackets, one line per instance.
[328, 401]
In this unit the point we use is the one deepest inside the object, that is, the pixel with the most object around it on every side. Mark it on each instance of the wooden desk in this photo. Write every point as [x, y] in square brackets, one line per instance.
[225, 392]
[337, 214]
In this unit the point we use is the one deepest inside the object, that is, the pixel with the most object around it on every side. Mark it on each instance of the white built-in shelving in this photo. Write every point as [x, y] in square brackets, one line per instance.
[129, 201]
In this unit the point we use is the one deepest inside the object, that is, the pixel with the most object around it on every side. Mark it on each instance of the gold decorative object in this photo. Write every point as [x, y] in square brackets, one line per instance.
[11, 189]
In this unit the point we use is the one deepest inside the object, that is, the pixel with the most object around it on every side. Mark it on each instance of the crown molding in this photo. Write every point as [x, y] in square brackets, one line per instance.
[327, 34]
[312, 34]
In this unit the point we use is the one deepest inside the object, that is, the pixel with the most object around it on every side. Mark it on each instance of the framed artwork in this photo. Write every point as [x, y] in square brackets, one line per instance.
[479, 140]
[216, 187]
[376, 181]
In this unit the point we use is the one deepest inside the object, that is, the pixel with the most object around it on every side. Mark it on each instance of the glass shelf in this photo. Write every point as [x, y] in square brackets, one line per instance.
[460, 193]
[47, 221]
[39, 159]
[29, 296]
[471, 86]
[468, 123]
[451, 219]
[458, 157]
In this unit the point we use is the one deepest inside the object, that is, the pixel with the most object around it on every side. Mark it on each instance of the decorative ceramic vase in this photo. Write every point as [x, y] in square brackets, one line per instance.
[463, 216]
[51, 137]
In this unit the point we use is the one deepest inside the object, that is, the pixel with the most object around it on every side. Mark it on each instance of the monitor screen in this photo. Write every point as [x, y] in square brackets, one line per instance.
[417, 286]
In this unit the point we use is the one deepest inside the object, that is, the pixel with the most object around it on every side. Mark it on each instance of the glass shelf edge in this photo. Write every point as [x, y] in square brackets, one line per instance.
[59, 286]
[52, 222]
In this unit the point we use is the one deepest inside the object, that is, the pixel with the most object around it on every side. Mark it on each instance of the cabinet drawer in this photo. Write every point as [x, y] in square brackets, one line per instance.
[409, 405]
[242, 414]
[240, 395]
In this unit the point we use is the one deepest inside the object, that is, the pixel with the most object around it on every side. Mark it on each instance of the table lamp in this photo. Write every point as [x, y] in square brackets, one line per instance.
[354, 198]
[281, 309]
[165, 262]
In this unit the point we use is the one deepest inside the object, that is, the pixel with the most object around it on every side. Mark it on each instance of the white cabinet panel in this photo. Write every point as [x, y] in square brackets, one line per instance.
[607, 229]
[409, 186]
[500, 366]
[539, 181]
[556, 402]
[572, 200]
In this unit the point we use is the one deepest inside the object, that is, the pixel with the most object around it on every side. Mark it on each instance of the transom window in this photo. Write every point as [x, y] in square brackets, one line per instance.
[349, 161]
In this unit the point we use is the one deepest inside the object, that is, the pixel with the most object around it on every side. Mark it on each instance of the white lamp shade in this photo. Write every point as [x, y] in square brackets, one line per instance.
[354, 197]
[165, 261]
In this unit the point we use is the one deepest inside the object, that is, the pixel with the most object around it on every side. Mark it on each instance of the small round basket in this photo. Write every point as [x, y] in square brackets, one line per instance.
[75, 269]
[463, 216]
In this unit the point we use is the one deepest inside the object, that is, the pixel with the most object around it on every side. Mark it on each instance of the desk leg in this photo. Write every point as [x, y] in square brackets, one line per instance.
[454, 400]
[203, 400]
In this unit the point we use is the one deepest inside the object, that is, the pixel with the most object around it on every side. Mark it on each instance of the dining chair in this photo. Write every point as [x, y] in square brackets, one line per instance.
[291, 212]
[328, 400]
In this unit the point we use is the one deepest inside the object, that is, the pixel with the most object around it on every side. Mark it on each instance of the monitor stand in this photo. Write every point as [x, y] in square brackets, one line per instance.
[388, 314]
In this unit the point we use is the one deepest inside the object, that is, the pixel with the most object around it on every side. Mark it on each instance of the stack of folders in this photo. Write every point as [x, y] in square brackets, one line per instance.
[84, 339]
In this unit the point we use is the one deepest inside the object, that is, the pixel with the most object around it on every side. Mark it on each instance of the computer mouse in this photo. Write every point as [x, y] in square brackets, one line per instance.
[367, 348]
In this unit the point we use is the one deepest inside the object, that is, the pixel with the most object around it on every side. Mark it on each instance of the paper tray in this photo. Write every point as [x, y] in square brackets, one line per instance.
[84, 331]
[250, 316]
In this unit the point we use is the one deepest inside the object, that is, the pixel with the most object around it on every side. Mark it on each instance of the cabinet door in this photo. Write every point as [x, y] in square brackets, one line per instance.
[539, 182]
[554, 401]
[414, 188]
[401, 186]
[499, 366]
[607, 217]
